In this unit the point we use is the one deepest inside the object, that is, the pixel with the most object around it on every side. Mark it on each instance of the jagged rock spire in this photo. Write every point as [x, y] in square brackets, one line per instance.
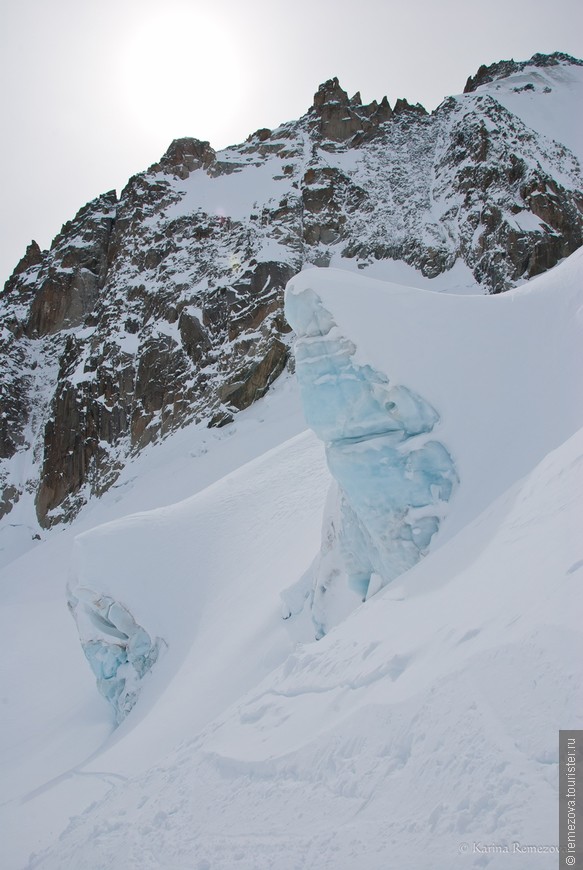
[341, 117]
[330, 92]
[185, 155]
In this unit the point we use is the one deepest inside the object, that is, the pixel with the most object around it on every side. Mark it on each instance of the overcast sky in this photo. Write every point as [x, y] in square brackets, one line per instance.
[94, 90]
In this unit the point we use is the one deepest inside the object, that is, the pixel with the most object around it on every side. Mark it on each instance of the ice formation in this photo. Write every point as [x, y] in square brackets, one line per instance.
[392, 479]
[119, 650]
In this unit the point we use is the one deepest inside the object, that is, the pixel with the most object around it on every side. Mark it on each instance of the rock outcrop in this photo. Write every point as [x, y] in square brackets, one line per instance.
[340, 118]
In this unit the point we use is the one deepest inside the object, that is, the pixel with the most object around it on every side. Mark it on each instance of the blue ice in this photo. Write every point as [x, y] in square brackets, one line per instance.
[119, 651]
[394, 478]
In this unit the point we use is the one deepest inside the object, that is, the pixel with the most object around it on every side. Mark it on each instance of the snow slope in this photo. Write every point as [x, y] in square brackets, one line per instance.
[53, 719]
[419, 732]
[546, 100]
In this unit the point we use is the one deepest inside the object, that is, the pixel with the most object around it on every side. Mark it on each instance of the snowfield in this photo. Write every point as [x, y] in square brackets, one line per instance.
[421, 731]
[541, 98]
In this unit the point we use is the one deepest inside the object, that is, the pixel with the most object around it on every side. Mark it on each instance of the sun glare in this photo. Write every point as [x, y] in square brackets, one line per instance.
[182, 75]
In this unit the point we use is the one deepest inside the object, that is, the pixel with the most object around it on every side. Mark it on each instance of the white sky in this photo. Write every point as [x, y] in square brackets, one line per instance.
[93, 91]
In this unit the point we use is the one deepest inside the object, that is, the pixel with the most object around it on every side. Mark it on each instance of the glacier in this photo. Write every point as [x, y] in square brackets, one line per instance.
[393, 478]
[119, 651]
[236, 727]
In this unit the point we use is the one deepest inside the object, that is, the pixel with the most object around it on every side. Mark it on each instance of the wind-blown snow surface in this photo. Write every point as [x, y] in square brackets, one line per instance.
[418, 733]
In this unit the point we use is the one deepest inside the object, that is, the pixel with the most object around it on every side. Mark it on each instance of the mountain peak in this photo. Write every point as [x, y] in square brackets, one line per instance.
[165, 305]
[32, 257]
[185, 155]
[341, 117]
[330, 92]
[504, 68]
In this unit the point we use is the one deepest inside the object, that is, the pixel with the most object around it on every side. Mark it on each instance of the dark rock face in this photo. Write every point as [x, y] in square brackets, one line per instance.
[185, 156]
[403, 105]
[326, 193]
[166, 305]
[33, 257]
[499, 240]
[255, 380]
[339, 118]
[195, 338]
[75, 270]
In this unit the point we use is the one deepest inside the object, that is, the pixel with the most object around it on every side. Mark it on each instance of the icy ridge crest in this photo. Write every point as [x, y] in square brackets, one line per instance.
[392, 480]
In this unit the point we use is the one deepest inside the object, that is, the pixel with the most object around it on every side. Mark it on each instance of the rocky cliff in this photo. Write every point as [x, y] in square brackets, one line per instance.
[164, 304]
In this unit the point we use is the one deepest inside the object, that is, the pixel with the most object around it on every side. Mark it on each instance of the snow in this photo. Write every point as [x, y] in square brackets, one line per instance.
[527, 221]
[549, 106]
[181, 465]
[234, 194]
[419, 730]
[52, 728]
[458, 279]
[481, 362]
[429, 684]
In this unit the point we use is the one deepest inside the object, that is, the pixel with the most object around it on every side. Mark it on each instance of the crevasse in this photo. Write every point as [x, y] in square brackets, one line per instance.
[392, 478]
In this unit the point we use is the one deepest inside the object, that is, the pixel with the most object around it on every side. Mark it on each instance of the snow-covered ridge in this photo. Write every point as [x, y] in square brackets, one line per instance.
[146, 589]
[166, 305]
[544, 96]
